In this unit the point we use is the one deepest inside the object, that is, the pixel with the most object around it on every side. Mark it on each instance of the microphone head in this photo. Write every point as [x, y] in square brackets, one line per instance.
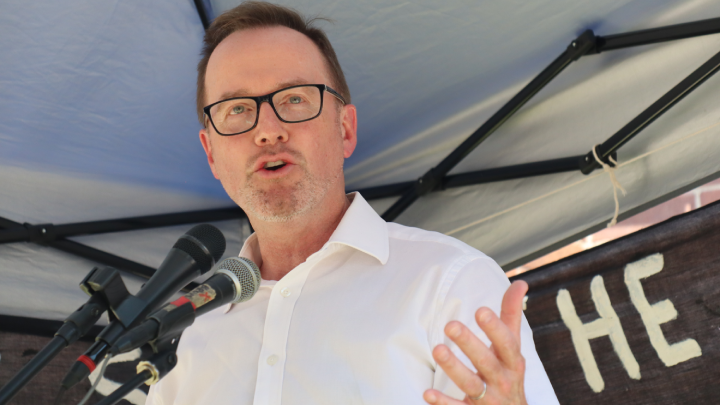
[204, 243]
[244, 273]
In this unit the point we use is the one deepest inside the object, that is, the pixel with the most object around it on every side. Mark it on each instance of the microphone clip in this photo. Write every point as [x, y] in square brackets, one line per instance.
[107, 283]
[106, 290]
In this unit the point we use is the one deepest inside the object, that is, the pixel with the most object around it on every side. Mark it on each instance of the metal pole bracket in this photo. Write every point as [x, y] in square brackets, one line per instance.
[41, 234]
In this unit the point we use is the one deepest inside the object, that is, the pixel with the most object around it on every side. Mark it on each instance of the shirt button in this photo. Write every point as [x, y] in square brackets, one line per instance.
[272, 360]
[285, 292]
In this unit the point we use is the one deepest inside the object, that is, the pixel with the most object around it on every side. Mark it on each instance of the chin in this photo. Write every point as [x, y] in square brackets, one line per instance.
[283, 203]
[274, 206]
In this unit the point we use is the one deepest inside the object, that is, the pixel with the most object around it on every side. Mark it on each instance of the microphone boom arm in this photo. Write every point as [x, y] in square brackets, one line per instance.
[105, 288]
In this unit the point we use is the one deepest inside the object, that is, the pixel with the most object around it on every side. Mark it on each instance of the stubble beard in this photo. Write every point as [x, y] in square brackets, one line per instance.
[284, 203]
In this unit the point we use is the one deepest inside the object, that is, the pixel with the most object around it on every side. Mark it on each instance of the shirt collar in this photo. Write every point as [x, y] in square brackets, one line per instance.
[251, 250]
[361, 228]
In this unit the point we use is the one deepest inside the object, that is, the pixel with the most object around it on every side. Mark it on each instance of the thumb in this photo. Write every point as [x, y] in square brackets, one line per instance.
[511, 312]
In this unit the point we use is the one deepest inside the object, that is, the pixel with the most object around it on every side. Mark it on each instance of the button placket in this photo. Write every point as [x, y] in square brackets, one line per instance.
[268, 387]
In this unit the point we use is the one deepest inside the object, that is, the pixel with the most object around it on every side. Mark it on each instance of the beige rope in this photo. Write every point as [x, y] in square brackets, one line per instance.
[610, 170]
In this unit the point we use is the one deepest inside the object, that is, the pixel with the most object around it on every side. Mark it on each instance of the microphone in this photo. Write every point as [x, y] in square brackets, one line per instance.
[192, 255]
[236, 280]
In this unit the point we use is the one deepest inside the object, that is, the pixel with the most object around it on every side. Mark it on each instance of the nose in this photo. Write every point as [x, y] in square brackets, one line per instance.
[269, 129]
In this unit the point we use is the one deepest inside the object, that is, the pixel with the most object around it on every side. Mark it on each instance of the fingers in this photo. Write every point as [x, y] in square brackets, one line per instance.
[436, 397]
[479, 354]
[504, 342]
[511, 312]
[463, 377]
[501, 366]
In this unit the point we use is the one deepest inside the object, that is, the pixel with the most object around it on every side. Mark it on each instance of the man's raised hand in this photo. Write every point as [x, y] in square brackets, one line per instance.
[500, 368]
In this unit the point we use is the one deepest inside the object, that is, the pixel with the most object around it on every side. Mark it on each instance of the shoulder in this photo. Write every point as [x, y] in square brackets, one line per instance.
[446, 260]
[416, 241]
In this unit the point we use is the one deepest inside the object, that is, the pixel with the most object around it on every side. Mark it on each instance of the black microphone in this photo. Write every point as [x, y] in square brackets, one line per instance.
[192, 255]
[235, 281]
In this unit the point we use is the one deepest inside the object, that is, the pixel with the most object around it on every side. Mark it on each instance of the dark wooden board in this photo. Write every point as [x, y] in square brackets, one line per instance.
[16, 349]
[690, 278]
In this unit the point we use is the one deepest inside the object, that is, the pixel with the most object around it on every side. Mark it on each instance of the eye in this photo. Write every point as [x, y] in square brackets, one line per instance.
[238, 109]
[295, 100]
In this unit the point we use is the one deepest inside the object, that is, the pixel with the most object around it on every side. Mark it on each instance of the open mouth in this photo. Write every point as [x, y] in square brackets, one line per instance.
[272, 166]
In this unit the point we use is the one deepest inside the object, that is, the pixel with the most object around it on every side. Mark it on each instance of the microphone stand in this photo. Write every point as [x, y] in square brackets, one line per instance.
[104, 286]
[32, 368]
[149, 371]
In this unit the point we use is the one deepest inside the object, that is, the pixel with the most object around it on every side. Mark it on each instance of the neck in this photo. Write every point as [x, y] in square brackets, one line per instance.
[284, 246]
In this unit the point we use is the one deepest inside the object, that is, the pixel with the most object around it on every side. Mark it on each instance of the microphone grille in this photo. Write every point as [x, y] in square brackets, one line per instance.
[204, 243]
[211, 237]
[246, 272]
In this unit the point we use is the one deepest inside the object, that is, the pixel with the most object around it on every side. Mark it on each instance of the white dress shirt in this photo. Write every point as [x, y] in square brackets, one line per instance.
[355, 323]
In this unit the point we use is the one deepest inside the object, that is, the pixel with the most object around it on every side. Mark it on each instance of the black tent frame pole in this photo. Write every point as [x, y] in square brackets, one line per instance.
[525, 170]
[645, 118]
[433, 178]
[78, 249]
[585, 44]
[202, 13]
[50, 232]
[655, 35]
[521, 171]
[96, 255]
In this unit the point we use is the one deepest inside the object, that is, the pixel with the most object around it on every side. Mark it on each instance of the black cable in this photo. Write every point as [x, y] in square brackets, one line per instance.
[97, 381]
[126, 388]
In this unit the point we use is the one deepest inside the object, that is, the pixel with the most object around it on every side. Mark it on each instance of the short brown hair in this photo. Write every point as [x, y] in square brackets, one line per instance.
[256, 14]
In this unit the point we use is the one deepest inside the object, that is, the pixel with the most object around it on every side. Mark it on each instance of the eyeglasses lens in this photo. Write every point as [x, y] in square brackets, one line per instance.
[292, 105]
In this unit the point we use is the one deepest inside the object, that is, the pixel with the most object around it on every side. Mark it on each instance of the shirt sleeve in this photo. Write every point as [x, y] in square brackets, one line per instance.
[154, 396]
[481, 282]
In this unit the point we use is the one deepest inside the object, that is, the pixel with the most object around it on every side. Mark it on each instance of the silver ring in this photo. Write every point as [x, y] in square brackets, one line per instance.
[479, 397]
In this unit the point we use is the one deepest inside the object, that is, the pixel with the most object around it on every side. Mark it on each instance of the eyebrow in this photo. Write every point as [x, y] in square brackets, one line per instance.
[245, 93]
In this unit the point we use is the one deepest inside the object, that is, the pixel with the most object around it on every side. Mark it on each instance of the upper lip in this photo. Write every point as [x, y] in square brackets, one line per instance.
[260, 164]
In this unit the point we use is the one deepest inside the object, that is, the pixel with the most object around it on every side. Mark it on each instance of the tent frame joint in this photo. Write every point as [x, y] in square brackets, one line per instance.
[42, 234]
[429, 182]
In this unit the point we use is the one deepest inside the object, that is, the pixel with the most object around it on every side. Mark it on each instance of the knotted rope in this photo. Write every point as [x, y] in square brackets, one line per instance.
[616, 185]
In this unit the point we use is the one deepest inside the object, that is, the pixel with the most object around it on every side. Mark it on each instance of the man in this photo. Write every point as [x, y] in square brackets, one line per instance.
[351, 310]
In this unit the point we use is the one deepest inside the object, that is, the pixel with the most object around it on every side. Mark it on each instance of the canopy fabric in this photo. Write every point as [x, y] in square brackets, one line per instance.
[99, 121]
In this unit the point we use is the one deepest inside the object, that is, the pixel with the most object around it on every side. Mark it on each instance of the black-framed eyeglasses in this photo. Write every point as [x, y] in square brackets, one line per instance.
[238, 115]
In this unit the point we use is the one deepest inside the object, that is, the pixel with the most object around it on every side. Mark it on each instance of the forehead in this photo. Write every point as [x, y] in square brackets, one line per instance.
[257, 61]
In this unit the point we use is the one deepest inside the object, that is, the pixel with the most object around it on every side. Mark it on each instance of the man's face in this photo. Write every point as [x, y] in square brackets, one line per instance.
[257, 62]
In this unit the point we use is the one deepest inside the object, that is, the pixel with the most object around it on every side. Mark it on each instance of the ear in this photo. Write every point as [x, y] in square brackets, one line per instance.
[205, 140]
[348, 123]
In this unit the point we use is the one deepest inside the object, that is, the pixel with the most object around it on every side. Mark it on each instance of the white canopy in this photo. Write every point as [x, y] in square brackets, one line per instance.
[98, 121]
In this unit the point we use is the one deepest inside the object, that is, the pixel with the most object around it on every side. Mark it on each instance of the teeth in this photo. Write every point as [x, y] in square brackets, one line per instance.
[273, 164]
